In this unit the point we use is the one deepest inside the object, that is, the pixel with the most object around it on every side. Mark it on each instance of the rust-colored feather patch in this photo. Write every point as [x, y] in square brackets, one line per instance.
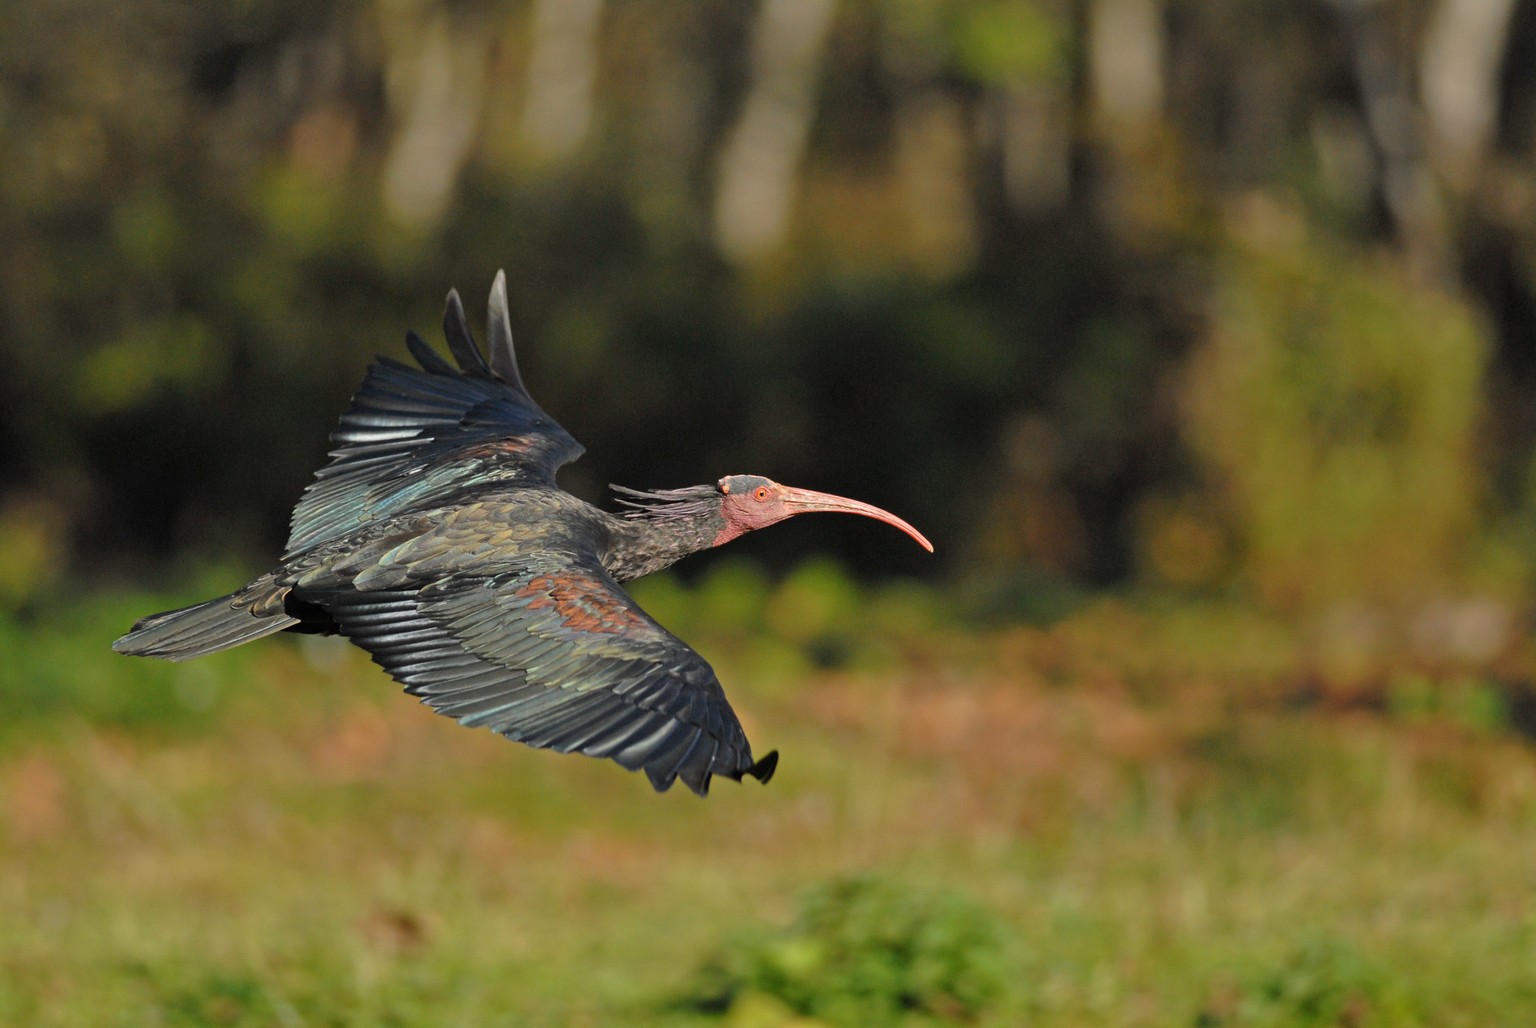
[584, 604]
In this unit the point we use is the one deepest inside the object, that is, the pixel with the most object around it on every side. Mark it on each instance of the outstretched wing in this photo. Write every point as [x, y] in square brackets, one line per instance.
[557, 656]
[421, 435]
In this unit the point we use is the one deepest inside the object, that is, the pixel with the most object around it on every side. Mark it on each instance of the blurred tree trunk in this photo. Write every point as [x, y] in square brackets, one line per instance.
[436, 76]
[1463, 55]
[1126, 46]
[1405, 184]
[562, 72]
[761, 160]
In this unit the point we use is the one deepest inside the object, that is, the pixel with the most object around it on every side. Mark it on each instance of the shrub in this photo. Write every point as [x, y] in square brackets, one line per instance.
[1322, 981]
[869, 952]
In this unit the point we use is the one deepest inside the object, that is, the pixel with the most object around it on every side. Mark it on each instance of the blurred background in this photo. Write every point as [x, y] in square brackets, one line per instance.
[1197, 334]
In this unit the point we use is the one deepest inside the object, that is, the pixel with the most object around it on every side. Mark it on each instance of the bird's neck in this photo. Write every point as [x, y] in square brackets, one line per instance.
[644, 545]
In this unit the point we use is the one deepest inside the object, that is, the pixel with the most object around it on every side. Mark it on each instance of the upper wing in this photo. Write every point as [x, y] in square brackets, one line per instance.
[556, 655]
[415, 435]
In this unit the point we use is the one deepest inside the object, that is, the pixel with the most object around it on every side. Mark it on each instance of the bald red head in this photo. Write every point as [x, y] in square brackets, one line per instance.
[750, 502]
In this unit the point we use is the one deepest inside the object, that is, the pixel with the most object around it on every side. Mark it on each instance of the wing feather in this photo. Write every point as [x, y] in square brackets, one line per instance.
[425, 355]
[556, 656]
[498, 322]
[419, 436]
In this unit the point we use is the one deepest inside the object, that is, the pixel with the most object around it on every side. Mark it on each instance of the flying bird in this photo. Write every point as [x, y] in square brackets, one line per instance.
[437, 540]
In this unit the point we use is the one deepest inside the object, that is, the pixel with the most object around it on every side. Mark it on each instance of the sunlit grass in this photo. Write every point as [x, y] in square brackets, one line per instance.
[312, 847]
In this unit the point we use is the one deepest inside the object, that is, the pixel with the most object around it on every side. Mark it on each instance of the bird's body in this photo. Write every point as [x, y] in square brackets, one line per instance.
[437, 540]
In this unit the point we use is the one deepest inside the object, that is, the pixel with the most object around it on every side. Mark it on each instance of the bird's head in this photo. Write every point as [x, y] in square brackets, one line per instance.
[750, 502]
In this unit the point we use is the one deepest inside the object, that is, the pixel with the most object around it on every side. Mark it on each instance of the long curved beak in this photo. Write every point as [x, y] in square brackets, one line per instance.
[805, 501]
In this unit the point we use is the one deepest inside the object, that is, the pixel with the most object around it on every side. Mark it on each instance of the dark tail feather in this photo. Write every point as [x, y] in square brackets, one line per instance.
[208, 627]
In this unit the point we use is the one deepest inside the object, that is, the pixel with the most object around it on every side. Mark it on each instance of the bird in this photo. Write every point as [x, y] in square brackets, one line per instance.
[437, 540]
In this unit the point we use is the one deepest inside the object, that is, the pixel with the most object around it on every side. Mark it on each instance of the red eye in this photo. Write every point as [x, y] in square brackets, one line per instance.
[760, 493]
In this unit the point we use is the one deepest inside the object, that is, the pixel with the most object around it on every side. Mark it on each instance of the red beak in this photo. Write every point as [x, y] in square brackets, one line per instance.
[804, 501]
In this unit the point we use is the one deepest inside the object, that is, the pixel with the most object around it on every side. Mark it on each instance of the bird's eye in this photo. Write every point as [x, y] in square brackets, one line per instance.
[760, 493]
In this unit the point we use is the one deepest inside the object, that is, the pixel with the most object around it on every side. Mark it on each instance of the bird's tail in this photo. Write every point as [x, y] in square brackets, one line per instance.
[213, 625]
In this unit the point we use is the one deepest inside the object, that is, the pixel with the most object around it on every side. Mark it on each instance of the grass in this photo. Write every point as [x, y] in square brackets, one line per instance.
[1130, 809]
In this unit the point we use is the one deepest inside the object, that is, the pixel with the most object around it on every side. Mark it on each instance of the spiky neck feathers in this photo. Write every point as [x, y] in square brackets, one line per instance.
[689, 503]
[662, 527]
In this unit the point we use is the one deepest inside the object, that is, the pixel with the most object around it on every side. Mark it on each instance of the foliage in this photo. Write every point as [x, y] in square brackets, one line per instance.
[1322, 982]
[1336, 405]
[55, 672]
[993, 233]
[1145, 812]
[816, 615]
[871, 952]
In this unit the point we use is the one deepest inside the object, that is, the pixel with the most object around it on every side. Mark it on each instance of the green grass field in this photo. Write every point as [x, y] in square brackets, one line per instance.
[1136, 816]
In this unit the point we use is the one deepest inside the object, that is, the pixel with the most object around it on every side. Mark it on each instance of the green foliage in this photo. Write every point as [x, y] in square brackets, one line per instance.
[1474, 704]
[170, 353]
[60, 669]
[777, 633]
[1162, 825]
[1323, 983]
[207, 241]
[32, 538]
[1335, 406]
[817, 607]
[1002, 42]
[221, 999]
[868, 951]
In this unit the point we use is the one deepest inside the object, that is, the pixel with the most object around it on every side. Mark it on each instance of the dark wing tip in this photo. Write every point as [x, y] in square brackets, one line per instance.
[426, 356]
[461, 341]
[764, 769]
[697, 779]
[499, 326]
